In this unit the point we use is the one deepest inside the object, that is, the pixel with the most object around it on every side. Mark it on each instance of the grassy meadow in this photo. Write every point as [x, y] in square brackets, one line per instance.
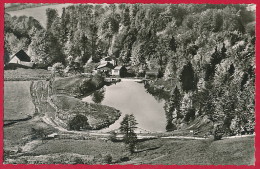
[39, 13]
[17, 100]
[98, 115]
[22, 74]
[235, 151]
[14, 137]
[19, 103]
[67, 85]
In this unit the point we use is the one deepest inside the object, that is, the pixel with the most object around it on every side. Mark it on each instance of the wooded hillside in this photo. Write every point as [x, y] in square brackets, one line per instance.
[206, 50]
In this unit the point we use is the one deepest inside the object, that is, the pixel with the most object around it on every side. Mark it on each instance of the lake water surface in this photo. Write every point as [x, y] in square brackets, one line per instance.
[131, 98]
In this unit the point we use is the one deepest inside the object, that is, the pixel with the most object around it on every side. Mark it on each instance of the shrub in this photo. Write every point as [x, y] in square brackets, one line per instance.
[78, 160]
[79, 122]
[108, 159]
[217, 136]
[170, 126]
[89, 85]
[190, 115]
[217, 132]
[38, 133]
[97, 80]
[86, 86]
[124, 159]
[112, 136]
[58, 69]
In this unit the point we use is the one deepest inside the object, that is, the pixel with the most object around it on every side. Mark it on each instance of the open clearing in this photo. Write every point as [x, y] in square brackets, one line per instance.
[14, 136]
[39, 13]
[67, 84]
[235, 151]
[17, 100]
[93, 150]
[98, 116]
[22, 74]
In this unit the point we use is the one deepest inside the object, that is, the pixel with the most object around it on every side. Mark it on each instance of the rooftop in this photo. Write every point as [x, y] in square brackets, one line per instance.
[22, 56]
[118, 67]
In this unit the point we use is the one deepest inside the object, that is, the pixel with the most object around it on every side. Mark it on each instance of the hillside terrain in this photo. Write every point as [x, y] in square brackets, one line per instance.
[197, 60]
[235, 151]
[206, 52]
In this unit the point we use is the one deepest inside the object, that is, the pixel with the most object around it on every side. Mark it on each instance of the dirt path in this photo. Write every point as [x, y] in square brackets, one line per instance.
[48, 118]
[184, 137]
[31, 145]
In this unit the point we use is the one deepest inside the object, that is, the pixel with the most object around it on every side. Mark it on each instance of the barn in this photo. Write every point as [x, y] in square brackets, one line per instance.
[105, 68]
[108, 59]
[21, 58]
[119, 71]
[152, 74]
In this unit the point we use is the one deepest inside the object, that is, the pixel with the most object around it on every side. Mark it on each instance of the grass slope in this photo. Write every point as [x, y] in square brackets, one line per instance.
[39, 13]
[21, 74]
[235, 151]
[98, 115]
[67, 85]
[15, 137]
[84, 147]
[17, 100]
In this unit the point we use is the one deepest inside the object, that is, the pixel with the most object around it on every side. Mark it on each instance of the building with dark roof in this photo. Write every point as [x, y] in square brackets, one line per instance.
[152, 74]
[21, 58]
[108, 59]
[105, 68]
[119, 71]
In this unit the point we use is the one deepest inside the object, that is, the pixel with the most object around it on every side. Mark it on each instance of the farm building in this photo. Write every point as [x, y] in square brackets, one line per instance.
[21, 58]
[108, 59]
[105, 68]
[119, 71]
[152, 73]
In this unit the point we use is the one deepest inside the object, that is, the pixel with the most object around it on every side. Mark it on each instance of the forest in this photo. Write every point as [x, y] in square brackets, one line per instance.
[206, 51]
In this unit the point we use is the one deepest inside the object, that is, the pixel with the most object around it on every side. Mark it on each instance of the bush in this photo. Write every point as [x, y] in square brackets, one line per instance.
[170, 126]
[124, 159]
[57, 68]
[190, 115]
[79, 122]
[97, 80]
[108, 159]
[38, 133]
[217, 132]
[217, 136]
[112, 136]
[86, 86]
[78, 160]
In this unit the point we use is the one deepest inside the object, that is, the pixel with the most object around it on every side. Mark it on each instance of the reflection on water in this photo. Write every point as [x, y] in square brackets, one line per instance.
[132, 98]
[158, 94]
[98, 96]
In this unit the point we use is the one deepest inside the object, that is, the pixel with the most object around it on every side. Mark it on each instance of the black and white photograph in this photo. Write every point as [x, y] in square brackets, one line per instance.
[158, 84]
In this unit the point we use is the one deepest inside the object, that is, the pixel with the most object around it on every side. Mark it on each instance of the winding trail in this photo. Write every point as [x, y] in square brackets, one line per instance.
[49, 119]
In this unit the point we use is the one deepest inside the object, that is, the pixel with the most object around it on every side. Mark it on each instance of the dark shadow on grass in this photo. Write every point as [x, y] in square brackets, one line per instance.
[153, 148]
[144, 139]
[138, 141]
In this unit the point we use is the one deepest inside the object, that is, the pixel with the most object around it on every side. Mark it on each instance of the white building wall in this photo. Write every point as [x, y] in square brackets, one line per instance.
[15, 60]
[115, 72]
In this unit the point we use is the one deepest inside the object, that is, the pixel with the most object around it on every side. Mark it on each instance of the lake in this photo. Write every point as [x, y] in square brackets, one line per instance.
[132, 98]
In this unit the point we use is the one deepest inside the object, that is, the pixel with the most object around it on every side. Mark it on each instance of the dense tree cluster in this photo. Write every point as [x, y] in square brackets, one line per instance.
[206, 50]
[79, 122]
